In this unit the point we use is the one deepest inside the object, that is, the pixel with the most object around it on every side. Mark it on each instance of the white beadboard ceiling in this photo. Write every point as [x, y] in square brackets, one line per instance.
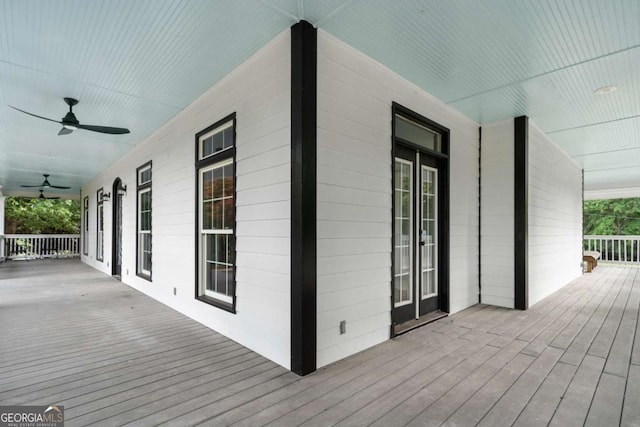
[137, 63]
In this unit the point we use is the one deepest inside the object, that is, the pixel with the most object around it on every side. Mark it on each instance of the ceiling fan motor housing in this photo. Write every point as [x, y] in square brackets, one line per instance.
[70, 119]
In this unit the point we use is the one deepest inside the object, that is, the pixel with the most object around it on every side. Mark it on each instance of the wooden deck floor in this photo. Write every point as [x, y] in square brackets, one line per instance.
[113, 356]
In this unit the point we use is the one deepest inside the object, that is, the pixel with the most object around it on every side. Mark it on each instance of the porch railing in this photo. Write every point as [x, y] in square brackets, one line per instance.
[621, 249]
[30, 246]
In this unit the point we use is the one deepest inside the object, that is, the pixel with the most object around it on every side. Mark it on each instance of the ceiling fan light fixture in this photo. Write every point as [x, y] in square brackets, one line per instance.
[605, 90]
[69, 126]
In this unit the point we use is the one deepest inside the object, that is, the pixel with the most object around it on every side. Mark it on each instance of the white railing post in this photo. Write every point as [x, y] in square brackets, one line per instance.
[29, 246]
[618, 249]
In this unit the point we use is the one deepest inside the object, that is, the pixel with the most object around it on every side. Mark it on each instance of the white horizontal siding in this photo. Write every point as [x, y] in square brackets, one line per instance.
[497, 212]
[354, 193]
[259, 92]
[555, 217]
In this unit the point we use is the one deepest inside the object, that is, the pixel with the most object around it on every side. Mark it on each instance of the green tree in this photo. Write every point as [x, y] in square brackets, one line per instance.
[41, 216]
[612, 217]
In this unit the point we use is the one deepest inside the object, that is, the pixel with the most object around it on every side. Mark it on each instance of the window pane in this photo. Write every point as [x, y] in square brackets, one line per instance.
[228, 138]
[217, 215]
[218, 209]
[207, 216]
[228, 188]
[218, 263]
[218, 183]
[220, 139]
[228, 217]
[145, 204]
[146, 221]
[207, 185]
[144, 247]
[420, 135]
[217, 142]
[145, 176]
[207, 147]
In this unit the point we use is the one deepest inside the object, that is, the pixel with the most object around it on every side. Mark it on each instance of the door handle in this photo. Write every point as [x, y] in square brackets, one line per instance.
[423, 237]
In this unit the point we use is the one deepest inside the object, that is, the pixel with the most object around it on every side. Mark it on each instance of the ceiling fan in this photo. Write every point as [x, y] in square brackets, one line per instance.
[70, 122]
[45, 184]
[42, 196]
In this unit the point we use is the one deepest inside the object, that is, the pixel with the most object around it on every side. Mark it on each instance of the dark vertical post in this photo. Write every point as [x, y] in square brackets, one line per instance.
[521, 211]
[303, 198]
[480, 215]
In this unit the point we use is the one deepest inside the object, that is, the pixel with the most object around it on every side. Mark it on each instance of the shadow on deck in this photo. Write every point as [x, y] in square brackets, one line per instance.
[112, 356]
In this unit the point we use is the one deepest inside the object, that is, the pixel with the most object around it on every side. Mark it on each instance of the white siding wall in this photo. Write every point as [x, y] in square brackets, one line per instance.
[497, 214]
[259, 92]
[555, 217]
[354, 197]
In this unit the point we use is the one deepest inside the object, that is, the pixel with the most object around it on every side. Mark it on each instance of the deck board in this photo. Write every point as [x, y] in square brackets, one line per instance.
[113, 356]
[576, 401]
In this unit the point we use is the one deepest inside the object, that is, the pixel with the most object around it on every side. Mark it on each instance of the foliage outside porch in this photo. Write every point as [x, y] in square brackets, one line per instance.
[612, 227]
[39, 228]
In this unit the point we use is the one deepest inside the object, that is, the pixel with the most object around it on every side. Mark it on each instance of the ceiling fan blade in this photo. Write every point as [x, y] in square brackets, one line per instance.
[104, 129]
[57, 186]
[65, 131]
[31, 186]
[34, 115]
[52, 198]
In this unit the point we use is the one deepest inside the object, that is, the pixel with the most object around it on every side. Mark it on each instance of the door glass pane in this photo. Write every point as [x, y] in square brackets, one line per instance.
[403, 171]
[428, 220]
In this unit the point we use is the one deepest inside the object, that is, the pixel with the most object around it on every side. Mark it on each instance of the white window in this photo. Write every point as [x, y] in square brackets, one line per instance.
[216, 214]
[100, 226]
[143, 263]
[85, 226]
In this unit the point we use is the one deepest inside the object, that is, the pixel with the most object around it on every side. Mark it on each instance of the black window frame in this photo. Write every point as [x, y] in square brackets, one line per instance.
[202, 163]
[99, 222]
[143, 187]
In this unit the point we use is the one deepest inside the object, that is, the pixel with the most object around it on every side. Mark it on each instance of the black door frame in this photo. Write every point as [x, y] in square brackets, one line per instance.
[441, 159]
[116, 228]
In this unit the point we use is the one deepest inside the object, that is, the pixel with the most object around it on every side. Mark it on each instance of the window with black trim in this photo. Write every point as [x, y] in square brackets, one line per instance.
[143, 209]
[85, 225]
[216, 214]
[100, 226]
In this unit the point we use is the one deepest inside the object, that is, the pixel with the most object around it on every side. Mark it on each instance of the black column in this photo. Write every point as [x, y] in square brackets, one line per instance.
[303, 198]
[521, 211]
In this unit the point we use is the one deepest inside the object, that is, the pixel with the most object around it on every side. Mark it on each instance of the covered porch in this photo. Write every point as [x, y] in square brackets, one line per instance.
[112, 355]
